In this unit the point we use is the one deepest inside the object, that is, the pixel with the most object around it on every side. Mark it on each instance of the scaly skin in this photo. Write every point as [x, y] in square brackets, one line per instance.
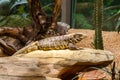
[53, 43]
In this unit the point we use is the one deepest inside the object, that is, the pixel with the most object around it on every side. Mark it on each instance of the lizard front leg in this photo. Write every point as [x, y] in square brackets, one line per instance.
[73, 47]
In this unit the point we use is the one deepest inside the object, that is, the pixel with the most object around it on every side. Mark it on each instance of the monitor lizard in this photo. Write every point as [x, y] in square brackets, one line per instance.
[67, 41]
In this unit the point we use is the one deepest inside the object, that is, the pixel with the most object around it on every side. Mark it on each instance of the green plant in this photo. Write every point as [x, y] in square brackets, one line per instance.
[110, 12]
[82, 22]
[116, 18]
[4, 7]
[15, 21]
[18, 12]
[14, 7]
[98, 21]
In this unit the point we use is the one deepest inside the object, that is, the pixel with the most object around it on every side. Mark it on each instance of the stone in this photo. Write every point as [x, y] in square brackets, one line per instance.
[52, 65]
[49, 78]
[70, 57]
[93, 75]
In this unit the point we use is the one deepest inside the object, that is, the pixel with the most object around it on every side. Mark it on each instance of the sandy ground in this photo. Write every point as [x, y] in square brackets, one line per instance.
[111, 41]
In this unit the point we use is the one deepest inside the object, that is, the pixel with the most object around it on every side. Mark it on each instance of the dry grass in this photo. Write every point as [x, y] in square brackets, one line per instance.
[111, 42]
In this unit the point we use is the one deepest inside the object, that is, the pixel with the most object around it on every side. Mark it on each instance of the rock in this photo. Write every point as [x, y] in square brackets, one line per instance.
[62, 28]
[19, 69]
[70, 57]
[93, 75]
[5, 77]
[51, 65]
[68, 62]
[49, 78]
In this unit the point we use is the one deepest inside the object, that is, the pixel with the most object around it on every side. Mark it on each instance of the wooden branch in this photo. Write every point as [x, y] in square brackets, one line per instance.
[16, 68]
[7, 49]
[56, 13]
[36, 11]
[53, 28]
[39, 18]
[14, 33]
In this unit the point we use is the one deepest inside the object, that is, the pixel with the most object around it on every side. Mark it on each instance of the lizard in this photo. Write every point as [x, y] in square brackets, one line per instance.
[67, 41]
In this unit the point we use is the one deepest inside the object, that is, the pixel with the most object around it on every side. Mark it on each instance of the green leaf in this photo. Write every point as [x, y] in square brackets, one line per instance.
[21, 2]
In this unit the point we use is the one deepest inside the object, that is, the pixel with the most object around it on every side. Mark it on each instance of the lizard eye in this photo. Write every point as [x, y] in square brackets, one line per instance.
[77, 36]
[71, 39]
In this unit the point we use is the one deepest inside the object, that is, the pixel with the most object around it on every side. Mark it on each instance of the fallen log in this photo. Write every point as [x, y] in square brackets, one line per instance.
[62, 64]
[83, 56]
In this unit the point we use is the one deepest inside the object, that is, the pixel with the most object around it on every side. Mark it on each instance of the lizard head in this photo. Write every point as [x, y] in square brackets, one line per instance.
[77, 37]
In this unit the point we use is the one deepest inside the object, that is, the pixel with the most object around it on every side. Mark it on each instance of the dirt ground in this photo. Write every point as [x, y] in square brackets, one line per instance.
[111, 41]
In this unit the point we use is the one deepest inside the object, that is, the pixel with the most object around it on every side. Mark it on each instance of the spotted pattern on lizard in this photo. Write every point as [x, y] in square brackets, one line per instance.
[53, 43]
